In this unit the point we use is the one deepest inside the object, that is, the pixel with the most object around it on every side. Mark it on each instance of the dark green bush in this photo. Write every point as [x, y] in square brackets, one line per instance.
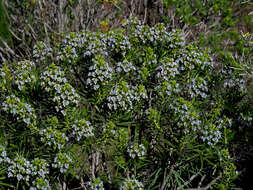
[132, 107]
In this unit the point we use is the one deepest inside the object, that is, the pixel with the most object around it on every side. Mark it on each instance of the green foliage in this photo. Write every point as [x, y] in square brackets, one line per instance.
[4, 27]
[219, 18]
[136, 107]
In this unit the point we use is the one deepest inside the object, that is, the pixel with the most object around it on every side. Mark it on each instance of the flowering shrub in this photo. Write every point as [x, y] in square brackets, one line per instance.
[122, 96]
[21, 110]
[24, 74]
[136, 150]
[41, 52]
[97, 102]
[96, 184]
[54, 82]
[54, 138]
[62, 161]
[82, 128]
[3, 157]
[132, 184]
[34, 172]
[99, 73]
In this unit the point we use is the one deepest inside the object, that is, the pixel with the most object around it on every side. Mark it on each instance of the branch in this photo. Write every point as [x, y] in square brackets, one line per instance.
[202, 179]
[1, 56]
[208, 186]
[83, 184]
[93, 165]
[190, 180]
[15, 35]
[168, 176]
[8, 48]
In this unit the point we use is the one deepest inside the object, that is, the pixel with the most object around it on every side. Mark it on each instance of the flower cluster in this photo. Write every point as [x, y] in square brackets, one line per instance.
[187, 118]
[89, 44]
[167, 70]
[41, 52]
[211, 132]
[190, 121]
[233, 81]
[53, 137]
[21, 110]
[40, 184]
[64, 94]
[132, 184]
[3, 155]
[136, 150]
[197, 87]
[167, 88]
[224, 155]
[95, 45]
[191, 59]
[82, 128]
[70, 46]
[96, 184]
[99, 73]
[117, 42]
[123, 96]
[156, 35]
[125, 67]
[27, 171]
[166, 73]
[172, 71]
[24, 74]
[62, 161]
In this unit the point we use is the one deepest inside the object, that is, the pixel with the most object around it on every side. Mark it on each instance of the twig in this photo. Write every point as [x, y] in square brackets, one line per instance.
[2, 57]
[83, 184]
[217, 21]
[168, 176]
[145, 14]
[208, 186]
[201, 180]
[8, 48]
[145, 10]
[15, 35]
[132, 8]
[33, 33]
[64, 186]
[190, 180]
[127, 173]
[76, 188]
[93, 164]
[97, 161]
[105, 167]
